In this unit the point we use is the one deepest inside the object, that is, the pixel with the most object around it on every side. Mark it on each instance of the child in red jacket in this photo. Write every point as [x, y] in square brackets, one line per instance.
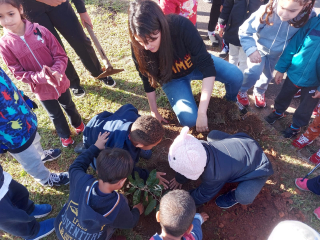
[35, 57]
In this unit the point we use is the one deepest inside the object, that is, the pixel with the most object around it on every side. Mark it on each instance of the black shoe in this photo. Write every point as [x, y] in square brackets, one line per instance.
[242, 108]
[272, 117]
[80, 148]
[226, 200]
[108, 81]
[214, 41]
[57, 179]
[51, 154]
[78, 92]
[290, 132]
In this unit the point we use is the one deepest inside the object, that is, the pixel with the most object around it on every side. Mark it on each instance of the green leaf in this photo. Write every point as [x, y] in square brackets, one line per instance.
[145, 198]
[157, 208]
[131, 190]
[150, 207]
[131, 180]
[139, 181]
[136, 197]
[152, 177]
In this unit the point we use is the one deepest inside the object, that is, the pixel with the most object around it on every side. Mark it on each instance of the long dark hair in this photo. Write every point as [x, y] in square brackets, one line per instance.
[296, 22]
[146, 18]
[15, 3]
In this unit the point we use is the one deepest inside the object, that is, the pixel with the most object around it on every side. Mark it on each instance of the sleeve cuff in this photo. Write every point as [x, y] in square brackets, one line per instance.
[94, 150]
[198, 216]
[251, 50]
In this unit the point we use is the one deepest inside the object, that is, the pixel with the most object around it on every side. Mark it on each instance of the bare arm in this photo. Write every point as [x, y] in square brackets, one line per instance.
[153, 106]
[206, 91]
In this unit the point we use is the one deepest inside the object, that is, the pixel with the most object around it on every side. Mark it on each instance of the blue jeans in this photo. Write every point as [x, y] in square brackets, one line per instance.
[180, 95]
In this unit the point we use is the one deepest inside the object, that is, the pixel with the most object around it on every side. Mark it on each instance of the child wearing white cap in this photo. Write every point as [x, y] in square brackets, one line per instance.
[223, 158]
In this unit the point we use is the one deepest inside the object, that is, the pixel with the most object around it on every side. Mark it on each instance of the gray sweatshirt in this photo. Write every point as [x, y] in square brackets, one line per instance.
[267, 39]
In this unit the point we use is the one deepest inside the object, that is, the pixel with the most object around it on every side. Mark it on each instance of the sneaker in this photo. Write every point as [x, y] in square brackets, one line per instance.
[243, 98]
[146, 154]
[41, 210]
[78, 92]
[301, 185]
[225, 50]
[46, 227]
[290, 132]
[298, 94]
[108, 81]
[51, 154]
[226, 200]
[272, 117]
[259, 100]
[242, 108]
[214, 40]
[66, 141]
[301, 142]
[315, 158]
[315, 110]
[57, 179]
[80, 129]
[80, 148]
[317, 212]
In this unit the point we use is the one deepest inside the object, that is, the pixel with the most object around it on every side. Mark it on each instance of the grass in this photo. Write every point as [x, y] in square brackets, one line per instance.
[110, 25]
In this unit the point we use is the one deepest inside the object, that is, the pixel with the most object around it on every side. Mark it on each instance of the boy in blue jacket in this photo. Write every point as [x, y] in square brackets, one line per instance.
[301, 61]
[223, 158]
[128, 130]
[94, 208]
[19, 136]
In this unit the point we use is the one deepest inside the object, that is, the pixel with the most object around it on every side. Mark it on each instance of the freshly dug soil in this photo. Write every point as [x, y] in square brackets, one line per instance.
[251, 222]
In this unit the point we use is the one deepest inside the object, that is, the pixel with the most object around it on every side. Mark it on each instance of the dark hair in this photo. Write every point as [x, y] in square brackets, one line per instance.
[146, 130]
[177, 210]
[114, 164]
[296, 22]
[16, 4]
[146, 18]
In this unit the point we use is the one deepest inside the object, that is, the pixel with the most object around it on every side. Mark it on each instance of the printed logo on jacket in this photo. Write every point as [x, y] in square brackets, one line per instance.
[183, 64]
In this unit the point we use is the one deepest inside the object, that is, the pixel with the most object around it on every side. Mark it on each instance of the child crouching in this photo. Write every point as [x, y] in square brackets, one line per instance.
[223, 158]
[94, 208]
[178, 218]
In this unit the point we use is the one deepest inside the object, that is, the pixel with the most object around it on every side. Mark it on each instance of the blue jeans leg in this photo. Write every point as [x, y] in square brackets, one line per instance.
[230, 75]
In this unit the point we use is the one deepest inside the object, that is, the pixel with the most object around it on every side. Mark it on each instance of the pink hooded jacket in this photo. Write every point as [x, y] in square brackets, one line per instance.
[25, 59]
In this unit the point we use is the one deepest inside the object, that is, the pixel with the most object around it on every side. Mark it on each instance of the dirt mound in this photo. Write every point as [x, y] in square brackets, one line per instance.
[254, 221]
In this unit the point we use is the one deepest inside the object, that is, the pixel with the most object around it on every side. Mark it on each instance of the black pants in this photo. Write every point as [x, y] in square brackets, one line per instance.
[56, 114]
[64, 19]
[313, 185]
[15, 208]
[214, 15]
[302, 115]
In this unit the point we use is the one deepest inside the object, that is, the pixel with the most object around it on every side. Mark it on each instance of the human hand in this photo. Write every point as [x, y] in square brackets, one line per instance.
[255, 57]
[58, 76]
[162, 181]
[221, 32]
[140, 207]
[278, 77]
[52, 3]
[48, 76]
[174, 184]
[204, 216]
[158, 116]
[102, 139]
[316, 95]
[221, 7]
[202, 123]
[85, 18]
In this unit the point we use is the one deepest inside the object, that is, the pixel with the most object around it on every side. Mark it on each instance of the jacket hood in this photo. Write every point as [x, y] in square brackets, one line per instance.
[30, 28]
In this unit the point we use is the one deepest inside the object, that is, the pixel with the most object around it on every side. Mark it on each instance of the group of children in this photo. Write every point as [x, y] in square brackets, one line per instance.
[114, 142]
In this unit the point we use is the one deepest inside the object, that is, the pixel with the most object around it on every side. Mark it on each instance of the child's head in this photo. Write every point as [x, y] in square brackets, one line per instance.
[114, 165]
[296, 12]
[176, 212]
[187, 156]
[11, 14]
[146, 132]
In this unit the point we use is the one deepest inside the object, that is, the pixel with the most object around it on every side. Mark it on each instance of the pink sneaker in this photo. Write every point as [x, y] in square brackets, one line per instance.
[243, 98]
[301, 185]
[301, 142]
[315, 158]
[259, 100]
[66, 141]
[317, 212]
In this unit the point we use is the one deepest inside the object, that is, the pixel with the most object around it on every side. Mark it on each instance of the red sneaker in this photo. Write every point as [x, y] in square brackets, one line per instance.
[315, 158]
[259, 100]
[301, 142]
[298, 94]
[315, 110]
[81, 128]
[66, 141]
[243, 98]
[301, 185]
[317, 212]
